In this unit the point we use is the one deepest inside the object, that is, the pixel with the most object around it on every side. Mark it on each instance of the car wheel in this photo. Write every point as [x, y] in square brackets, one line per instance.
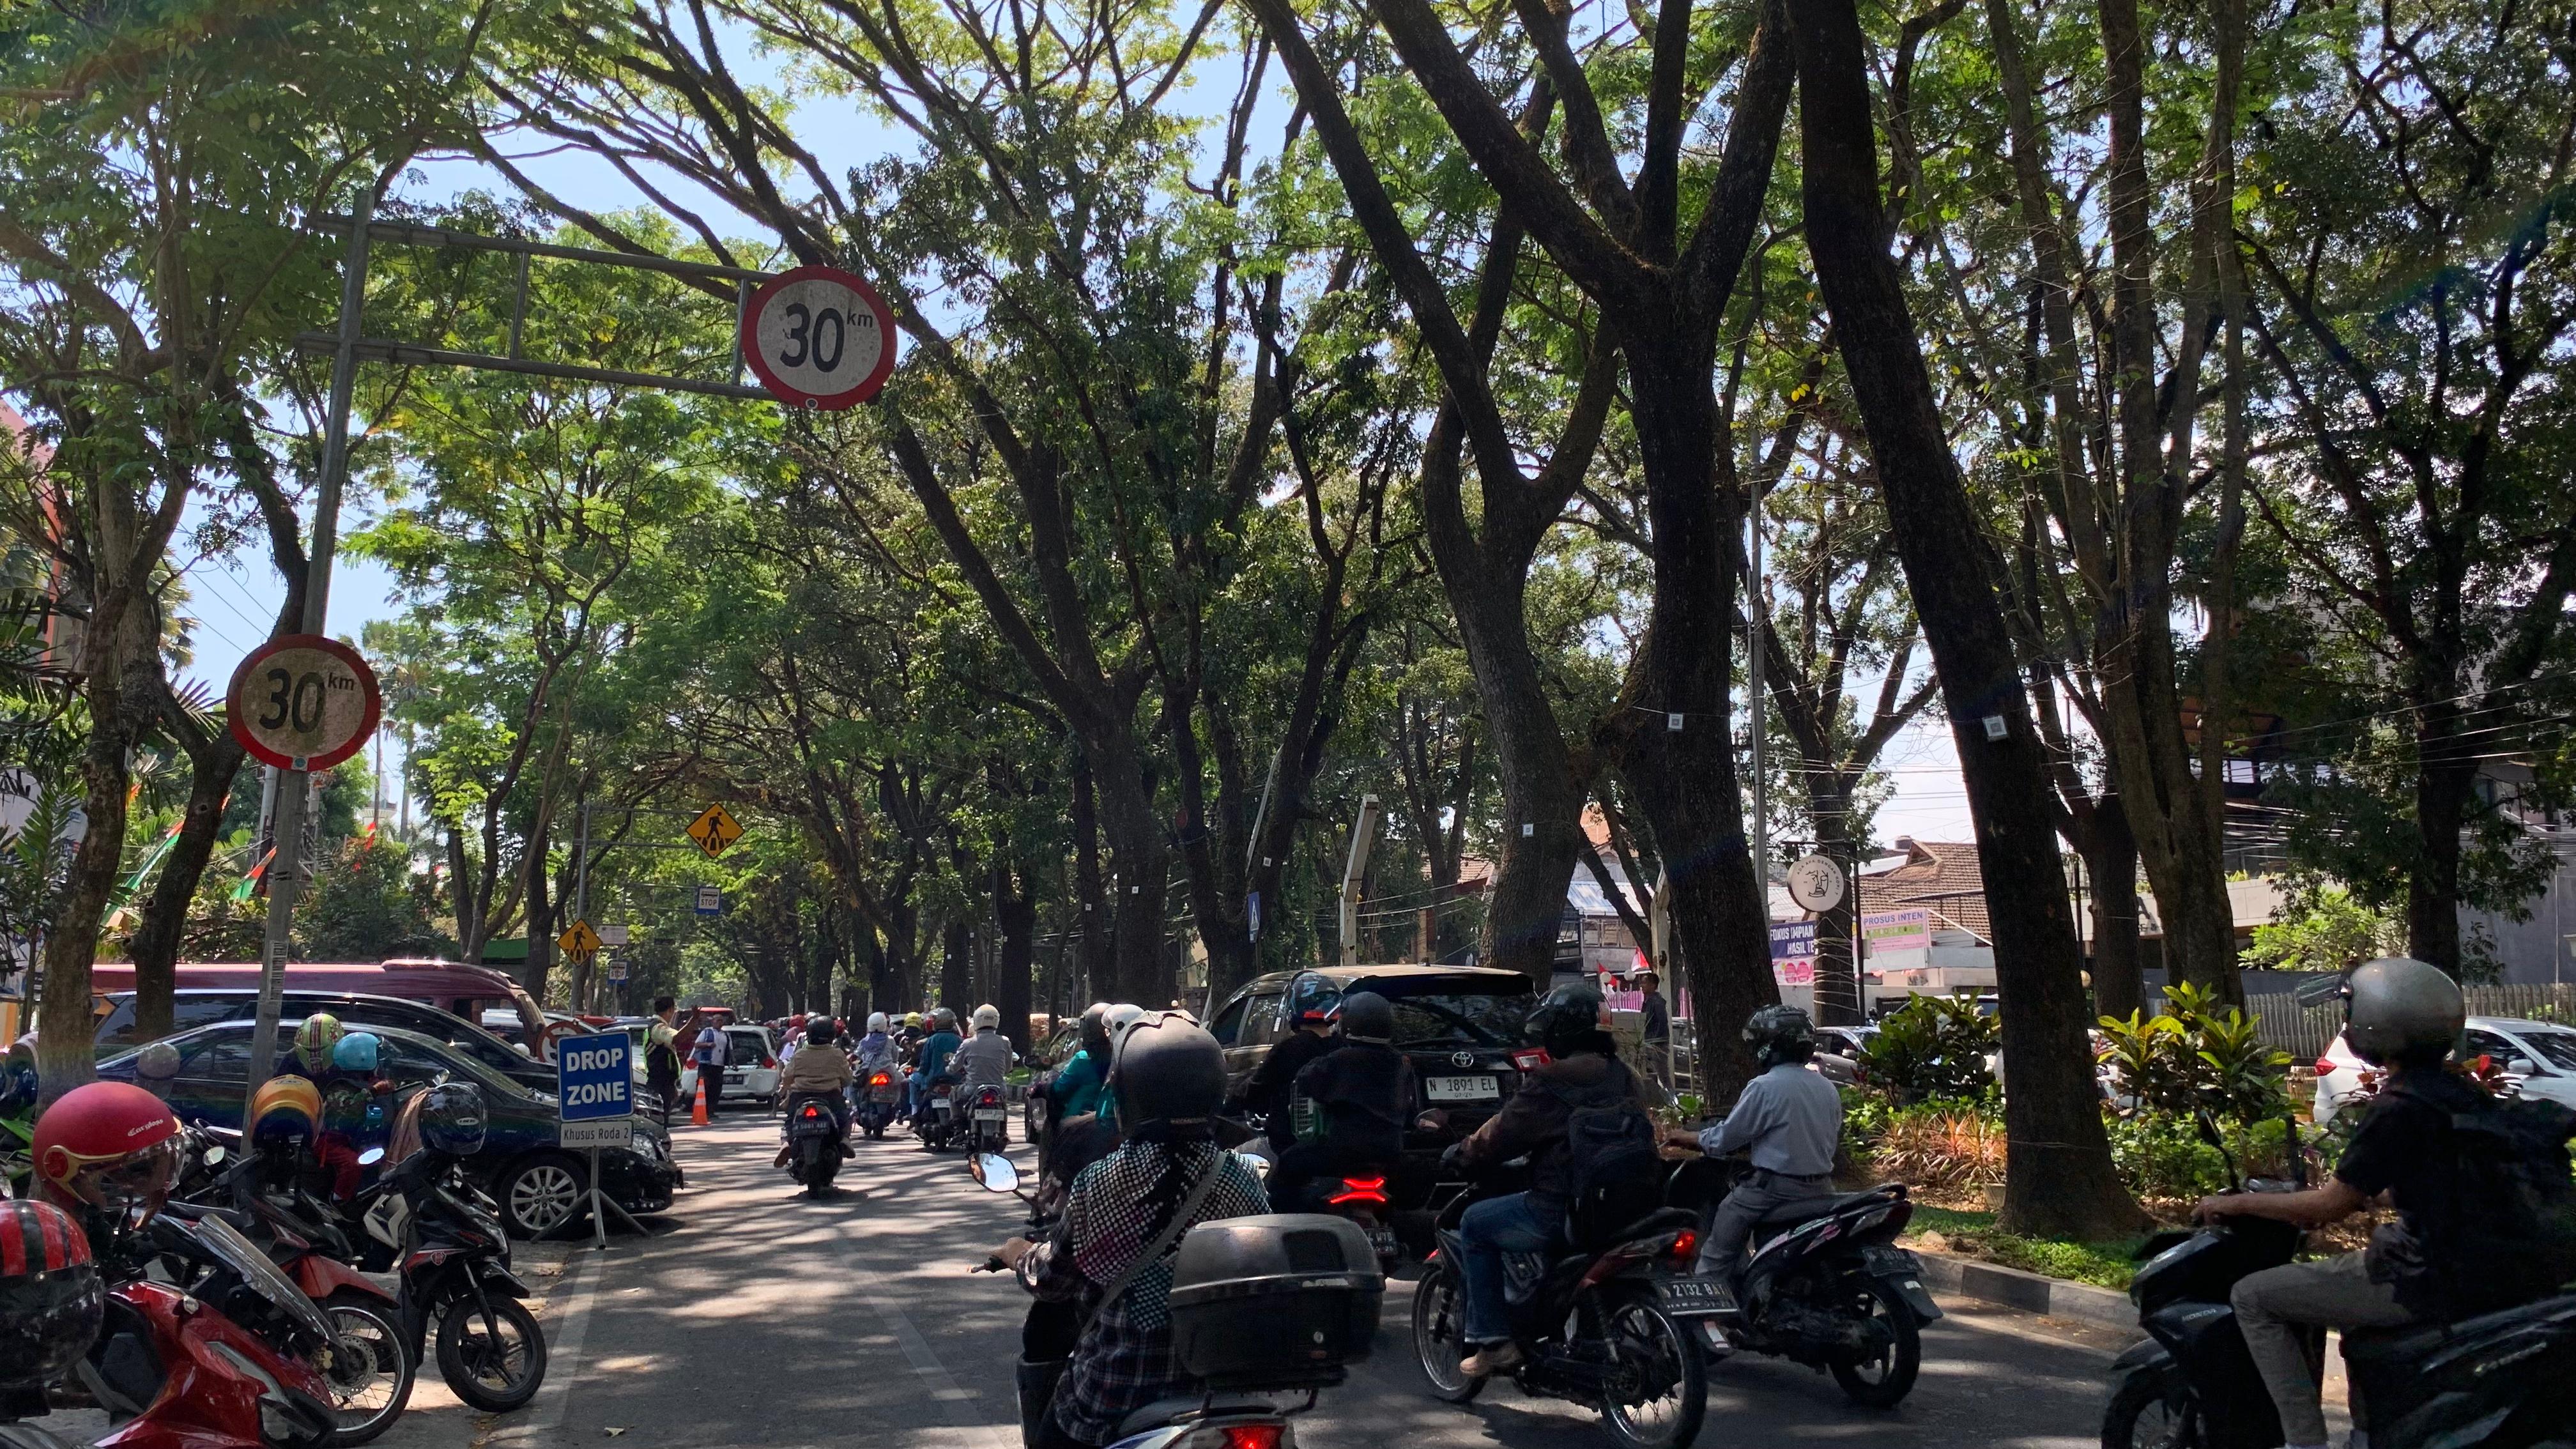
[540, 1193]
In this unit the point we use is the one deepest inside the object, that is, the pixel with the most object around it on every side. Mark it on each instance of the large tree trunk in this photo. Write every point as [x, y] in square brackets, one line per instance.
[1839, 998]
[957, 968]
[1015, 914]
[215, 763]
[2445, 778]
[2111, 859]
[2061, 1180]
[541, 919]
[118, 663]
[1094, 952]
[1139, 861]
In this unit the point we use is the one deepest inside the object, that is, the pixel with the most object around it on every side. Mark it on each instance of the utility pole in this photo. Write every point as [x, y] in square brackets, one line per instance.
[1757, 613]
[286, 870]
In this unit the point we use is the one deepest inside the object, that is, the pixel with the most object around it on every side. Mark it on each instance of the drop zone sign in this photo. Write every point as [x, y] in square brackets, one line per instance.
[595, 1089]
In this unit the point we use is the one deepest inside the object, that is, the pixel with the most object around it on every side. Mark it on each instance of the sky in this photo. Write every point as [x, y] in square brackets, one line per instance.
[233, 598]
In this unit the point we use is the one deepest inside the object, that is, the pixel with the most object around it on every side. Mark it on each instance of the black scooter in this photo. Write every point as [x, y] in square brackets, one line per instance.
[455, 1263]
[2499, 1381]
[813, 1142]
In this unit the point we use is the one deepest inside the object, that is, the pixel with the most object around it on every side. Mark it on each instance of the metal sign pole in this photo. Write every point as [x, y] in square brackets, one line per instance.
[598, 1216]
[286, 867]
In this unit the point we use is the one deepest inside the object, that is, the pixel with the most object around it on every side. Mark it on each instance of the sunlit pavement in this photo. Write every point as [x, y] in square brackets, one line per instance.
[762, 1319]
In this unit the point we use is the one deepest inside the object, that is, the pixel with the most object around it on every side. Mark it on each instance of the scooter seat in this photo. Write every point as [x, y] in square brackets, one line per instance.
[1193, 1406]
[2404, 1349]
[1800, 1212]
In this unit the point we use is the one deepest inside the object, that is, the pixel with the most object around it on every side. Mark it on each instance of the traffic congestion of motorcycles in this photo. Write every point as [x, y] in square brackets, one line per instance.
[278, 1280]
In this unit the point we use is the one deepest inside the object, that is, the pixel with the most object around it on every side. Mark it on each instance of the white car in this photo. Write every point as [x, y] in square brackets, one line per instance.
[751, 1071]
[2539, 1055]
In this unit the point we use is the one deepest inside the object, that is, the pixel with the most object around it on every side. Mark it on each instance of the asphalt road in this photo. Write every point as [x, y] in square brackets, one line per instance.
[765, 1319]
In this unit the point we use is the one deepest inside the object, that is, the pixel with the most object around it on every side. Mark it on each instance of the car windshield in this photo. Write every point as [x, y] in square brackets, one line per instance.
[1458, 1018]
[2557, 1047]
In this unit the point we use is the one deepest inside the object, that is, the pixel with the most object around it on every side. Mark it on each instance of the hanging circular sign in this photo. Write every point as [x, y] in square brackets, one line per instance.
[1816, 883]
[818, 337]
[303, 702]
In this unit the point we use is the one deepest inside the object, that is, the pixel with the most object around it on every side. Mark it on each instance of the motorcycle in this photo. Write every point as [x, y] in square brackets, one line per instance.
[813, 1143]
[880, 1096]
[2498, 1381]
[455, 1267]
[1593, 1325]
[1359, 1196]
[987, 1118]
[1826, 1286]
[172, 1375]
[935, 1123]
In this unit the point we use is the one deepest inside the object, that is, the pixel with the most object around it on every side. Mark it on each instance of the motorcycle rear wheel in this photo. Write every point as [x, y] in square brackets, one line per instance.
[1440, 1334]
[1885, 1383]
[495, 1377]
[1652, 1341]
[367, 1401]
[2142, 1417]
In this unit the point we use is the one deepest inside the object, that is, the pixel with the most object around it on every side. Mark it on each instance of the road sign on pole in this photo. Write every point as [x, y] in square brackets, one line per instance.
[714, 829]
[710, 901]
[1816, 883]
[303, 702]
[595, 1095]
[819, 337]
[579, 939]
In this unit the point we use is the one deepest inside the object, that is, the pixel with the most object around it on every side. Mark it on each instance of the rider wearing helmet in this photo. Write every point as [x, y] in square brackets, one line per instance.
[931, 1059]
[1583, 1072]
[52, 1303]
[315, 1040]
[1271, 1092]
[1360, 1094]
[983, 1059]
[1169, 1079]
[107, 1153]
[820, 1070]
[1075, 1089]
[2404, 1017]
[876, 1048]
[1789, 1120]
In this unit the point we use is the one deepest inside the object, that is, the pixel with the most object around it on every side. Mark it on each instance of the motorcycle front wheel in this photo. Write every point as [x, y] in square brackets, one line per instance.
[369, 1372]
[1440, 1334]
[2143, 1416]
[494, 1374]
[1881, 1382]
[1662, 1393]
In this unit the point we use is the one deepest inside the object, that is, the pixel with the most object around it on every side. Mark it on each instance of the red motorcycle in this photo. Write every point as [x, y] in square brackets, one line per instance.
[173, 1373]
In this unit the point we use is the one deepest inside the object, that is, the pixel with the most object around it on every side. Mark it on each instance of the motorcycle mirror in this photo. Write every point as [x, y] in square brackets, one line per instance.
[994, 1171]
[214, 1156]
[371, 1157]
[2208, 1129]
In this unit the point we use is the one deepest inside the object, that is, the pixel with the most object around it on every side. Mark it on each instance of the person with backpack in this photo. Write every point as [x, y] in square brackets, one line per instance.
[2480, 1186]
[1361, 1094]
[1788, 1120]
[1271, 1094]
[1581, 1118]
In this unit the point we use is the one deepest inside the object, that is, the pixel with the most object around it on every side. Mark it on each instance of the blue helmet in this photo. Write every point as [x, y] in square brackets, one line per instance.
[356, 1052]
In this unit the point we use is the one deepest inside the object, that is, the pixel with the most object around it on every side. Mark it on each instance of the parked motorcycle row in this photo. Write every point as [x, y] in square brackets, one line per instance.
[221, 1295]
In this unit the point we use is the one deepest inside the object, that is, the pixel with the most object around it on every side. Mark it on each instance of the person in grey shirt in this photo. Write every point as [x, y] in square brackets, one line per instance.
[1791, 1119]
[983, 1059]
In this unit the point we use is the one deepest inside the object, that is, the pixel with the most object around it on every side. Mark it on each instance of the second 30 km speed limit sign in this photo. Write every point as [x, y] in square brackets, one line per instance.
[819, 338]
[303, 702]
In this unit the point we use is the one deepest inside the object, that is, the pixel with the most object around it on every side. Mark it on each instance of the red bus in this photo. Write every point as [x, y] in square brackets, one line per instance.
[467, 991]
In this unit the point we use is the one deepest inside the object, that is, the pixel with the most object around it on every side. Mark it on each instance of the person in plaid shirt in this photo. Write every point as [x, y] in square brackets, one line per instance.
[1169, 1081]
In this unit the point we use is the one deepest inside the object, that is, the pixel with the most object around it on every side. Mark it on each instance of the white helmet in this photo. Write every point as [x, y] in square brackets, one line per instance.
[942, 1019]
[1120, 1017]
[876, 1021]
[988, 1017]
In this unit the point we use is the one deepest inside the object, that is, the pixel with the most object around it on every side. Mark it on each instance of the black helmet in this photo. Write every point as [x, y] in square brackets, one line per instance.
[1094, 1030]
[1780, 1034]
[51, 1299]
[1169, 1079]
[1365, 1016]
[822, 1032]
[451, 1120]
[1310, 999]
[1566, 1019]
[2402, 1012]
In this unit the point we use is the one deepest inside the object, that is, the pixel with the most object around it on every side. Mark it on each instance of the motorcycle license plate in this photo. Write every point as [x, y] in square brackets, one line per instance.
[1694, 1297]
[881, 1094]
[1462, 1089]
[939, 1101]
[988, 1116]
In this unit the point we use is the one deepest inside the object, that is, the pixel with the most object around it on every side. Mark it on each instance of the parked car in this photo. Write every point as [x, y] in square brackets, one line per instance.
[467, 991]
[1460, 1025]
[2540, 1056]
[538, 1185]
[751, 1068]
[357, 1011]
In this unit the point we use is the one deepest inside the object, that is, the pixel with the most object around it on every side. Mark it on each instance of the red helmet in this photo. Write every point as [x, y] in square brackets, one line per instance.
[51, 1300]
[109, 1147]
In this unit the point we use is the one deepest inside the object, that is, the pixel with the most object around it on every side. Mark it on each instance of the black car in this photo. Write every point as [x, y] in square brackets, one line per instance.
[356, 1011]
[538, 1185]
[1460, 1026]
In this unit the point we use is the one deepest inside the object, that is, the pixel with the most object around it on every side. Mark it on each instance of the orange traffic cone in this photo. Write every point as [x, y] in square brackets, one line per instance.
[698, 1113]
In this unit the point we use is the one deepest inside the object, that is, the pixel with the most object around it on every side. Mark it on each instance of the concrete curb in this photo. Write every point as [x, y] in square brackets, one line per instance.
[2029, 1292]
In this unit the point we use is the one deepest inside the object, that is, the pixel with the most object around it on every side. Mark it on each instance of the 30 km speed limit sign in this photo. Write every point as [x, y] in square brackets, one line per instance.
[819, 338]
[303, 702]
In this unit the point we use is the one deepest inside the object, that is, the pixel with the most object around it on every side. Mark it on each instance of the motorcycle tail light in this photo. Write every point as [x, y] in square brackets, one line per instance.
[1241, 1436]
[1685, 1245]
[1360, 1189]
[881, 1080]
[813, 1111]
[1529, 1059]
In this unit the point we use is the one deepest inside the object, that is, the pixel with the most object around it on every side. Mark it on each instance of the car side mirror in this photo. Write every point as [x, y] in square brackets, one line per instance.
[2522, 1066]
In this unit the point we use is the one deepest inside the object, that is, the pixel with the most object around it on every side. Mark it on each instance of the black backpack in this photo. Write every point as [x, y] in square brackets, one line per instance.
[1613, 1174]
[2507, 1233]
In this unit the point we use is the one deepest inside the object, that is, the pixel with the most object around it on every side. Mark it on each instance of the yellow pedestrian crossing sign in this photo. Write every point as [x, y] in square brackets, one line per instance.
[714, 829]
[579, 939]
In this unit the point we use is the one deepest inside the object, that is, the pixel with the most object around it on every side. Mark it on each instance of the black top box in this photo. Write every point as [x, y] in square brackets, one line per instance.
[1274, 1302]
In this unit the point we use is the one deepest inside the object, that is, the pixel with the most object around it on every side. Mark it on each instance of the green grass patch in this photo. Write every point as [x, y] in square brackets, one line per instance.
[1974, 1235]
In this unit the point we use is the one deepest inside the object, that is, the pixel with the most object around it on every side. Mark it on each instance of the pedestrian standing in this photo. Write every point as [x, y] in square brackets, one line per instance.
[1659, 1030]
[662, 1055]
[710, 1055]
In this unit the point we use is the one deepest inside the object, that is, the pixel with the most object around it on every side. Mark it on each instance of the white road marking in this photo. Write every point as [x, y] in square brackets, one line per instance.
[563, 1362]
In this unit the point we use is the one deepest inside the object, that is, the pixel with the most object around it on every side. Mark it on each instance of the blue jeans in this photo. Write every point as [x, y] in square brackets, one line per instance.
[1509, 1224]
